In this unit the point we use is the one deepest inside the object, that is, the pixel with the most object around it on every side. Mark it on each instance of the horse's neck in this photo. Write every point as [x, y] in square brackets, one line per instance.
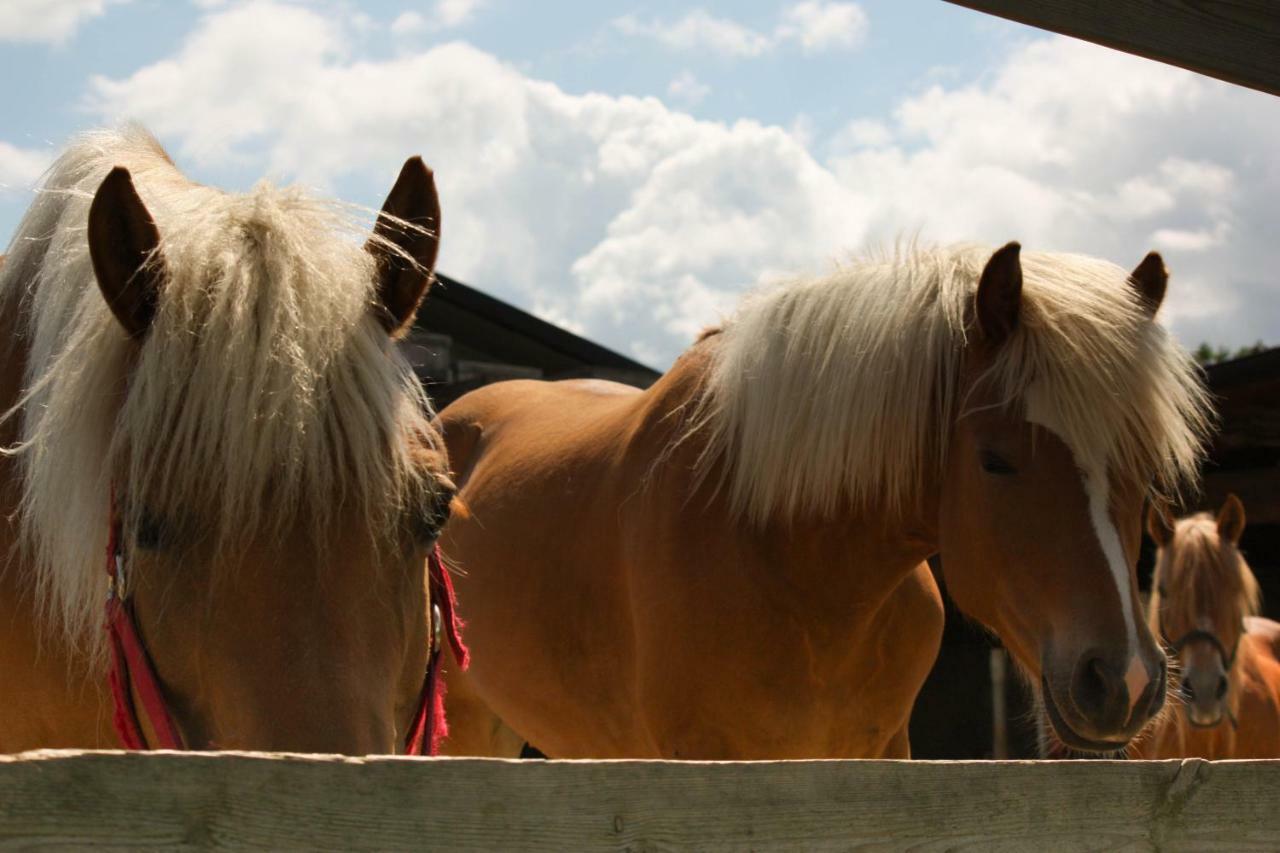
[860, 554]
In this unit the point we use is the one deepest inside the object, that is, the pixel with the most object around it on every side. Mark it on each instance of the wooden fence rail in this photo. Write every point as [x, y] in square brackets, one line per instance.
[229, 800]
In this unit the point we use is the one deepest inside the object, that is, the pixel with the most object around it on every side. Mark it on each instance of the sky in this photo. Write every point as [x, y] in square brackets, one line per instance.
[629, 169]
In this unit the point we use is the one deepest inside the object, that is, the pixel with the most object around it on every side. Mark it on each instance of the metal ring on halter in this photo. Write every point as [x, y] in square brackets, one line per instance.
[118, 585]
[437, 628]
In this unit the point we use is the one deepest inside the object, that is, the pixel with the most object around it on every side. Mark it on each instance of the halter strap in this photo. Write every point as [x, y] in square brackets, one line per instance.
[1201, 635]
[430, 717]
[1228, 659]
[132, 670]
[130, 661]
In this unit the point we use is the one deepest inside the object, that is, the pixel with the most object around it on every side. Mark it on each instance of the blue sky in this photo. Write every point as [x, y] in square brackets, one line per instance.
[629, 169]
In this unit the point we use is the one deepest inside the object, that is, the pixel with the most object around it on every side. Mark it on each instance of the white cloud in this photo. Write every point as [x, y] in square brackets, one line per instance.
[235, 80]
[687, 89]
[453, 13]
[815, 25]
[860, 133]
[820, 26]
[47, 20]
[638, 224]
[410, 23]
[1075, 147]
[21, 167]
[699, 30]
[632, 219]
[444, 15]
[1174, 239]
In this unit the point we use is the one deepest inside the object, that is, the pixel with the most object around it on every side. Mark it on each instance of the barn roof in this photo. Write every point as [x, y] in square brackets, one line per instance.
[1233, 40]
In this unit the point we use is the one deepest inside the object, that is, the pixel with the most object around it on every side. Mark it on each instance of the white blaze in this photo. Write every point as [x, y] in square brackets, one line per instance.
[1099, 493]
[1097, 490]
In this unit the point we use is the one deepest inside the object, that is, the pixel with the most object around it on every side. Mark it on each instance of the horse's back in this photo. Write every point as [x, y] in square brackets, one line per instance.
[541, 417]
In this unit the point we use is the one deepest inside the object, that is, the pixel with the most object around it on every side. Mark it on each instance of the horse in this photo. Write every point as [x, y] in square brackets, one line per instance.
[731, 564]
[1204, 606]
[204, 387]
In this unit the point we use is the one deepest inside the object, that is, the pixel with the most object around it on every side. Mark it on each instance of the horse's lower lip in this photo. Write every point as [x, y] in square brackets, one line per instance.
[1196, 724]
[1070, 736]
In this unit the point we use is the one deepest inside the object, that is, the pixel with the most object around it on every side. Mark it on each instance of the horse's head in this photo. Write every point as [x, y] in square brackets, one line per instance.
[1203, 591]
[276, 480]
[1047, 468]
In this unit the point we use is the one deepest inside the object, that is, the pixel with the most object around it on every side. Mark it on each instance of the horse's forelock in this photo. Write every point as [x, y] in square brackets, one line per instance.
[264, 391]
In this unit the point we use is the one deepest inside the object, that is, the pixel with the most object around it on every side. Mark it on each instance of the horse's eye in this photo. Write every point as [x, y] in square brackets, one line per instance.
[994, 463]
[427, 522]
[149, 532]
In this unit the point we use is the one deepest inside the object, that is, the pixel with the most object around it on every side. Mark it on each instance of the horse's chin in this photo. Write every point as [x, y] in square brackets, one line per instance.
[1069, 736]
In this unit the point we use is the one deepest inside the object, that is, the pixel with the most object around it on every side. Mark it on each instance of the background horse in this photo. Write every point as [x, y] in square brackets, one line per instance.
[213, 376]
[731, 564]
[1205, 608]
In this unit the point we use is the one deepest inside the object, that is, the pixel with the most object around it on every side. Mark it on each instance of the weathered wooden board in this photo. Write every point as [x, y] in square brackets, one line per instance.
[229, 800]
[1233, 40]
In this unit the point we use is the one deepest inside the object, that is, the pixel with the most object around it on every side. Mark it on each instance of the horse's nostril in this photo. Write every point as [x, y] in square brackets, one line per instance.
[1093, 680]
[1188, 692]
[1096, 689]
[1222, 686]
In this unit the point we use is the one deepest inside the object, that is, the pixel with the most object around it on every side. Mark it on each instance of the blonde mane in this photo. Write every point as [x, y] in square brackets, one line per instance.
[265, 392]
[838, 390]
[1204, 565]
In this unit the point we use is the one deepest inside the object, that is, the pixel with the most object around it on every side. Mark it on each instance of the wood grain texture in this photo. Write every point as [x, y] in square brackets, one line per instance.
[237, 800]
[1233, 40]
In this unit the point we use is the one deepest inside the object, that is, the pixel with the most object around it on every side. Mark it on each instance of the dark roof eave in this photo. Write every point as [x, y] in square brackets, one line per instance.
[1242, 371]
[521, 322]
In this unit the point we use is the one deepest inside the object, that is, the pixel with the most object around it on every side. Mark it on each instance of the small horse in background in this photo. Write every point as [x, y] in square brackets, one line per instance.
[203, 394]
[731, 563]
[1204, 607]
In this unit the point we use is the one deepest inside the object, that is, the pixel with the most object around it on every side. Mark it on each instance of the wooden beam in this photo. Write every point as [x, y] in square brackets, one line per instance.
[1233, 40]
[184, 800]
[1259, 489]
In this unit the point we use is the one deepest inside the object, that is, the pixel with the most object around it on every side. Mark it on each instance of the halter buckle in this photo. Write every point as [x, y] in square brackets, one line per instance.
[437, 628]
[118, 580]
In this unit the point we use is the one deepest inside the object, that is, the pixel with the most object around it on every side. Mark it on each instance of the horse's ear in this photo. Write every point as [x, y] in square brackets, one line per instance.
[406, 256]
[1151, 279]
[1159, 525]
[1231, 519]
[999, 298]
[124, 246]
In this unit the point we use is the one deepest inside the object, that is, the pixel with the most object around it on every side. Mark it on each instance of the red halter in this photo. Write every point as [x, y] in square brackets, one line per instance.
[444, 619]
[130, 662]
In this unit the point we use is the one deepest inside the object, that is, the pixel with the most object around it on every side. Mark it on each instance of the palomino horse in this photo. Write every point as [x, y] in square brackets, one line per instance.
[731, 564]
[1205, 608]
[209, 381]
